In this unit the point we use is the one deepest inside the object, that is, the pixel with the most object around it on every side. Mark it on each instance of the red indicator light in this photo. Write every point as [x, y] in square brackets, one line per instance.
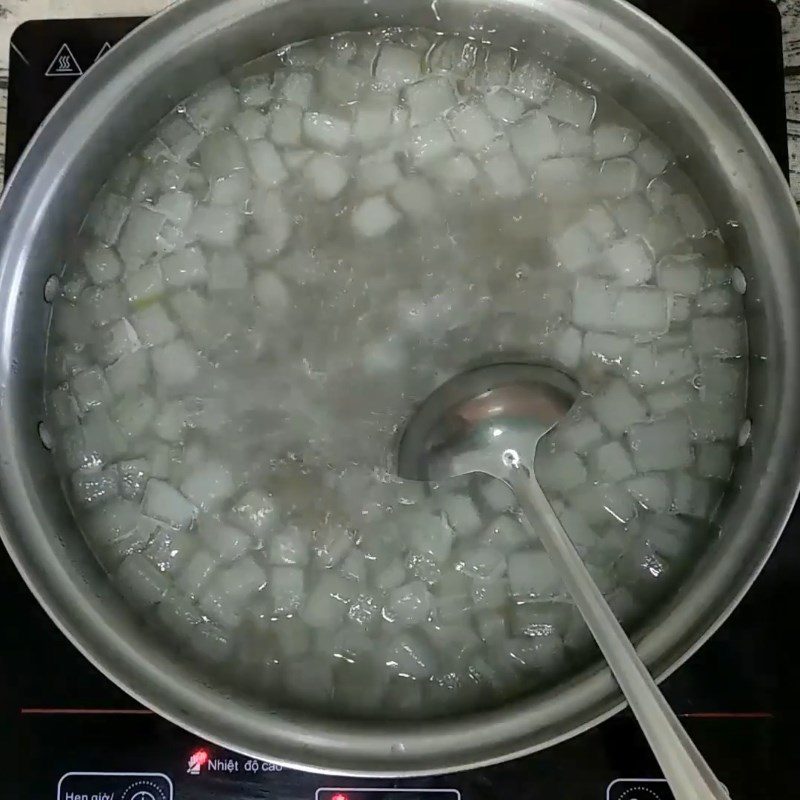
[197, 761]
[340, 796]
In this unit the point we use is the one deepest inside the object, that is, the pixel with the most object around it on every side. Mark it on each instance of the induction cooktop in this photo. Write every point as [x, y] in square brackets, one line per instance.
[66, 732]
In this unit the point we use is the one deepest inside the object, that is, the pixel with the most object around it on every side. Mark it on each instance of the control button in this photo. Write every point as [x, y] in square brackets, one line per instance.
[639, 789]
[144, 788]
[115, 786]
[384, 793]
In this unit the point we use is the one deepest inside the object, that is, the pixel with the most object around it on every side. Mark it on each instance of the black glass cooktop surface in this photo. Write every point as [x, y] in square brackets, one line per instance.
[66, 732]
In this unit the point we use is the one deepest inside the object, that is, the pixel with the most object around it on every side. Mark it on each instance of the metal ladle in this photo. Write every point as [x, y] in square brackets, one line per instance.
[490, 420]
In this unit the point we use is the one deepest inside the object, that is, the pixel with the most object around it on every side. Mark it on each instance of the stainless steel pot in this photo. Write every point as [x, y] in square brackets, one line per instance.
[626, 54]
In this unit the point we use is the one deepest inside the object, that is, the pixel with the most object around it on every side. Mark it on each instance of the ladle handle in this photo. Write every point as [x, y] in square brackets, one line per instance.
[686, 771]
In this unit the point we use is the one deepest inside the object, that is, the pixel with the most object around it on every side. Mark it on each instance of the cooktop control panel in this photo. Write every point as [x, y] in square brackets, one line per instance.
[158, 786]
